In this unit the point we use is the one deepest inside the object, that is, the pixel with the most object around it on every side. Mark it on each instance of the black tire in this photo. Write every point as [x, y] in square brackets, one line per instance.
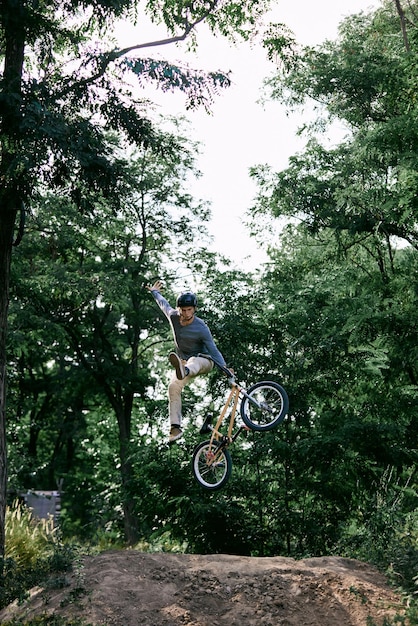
[211, 476]
[269, 409]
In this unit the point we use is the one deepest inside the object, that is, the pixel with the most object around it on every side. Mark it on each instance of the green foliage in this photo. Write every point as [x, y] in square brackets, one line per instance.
[64, 96]
[72, 84]
[26, 537]
[341, 299]
[34, 554]
[366, 185]
[98, 325]
[234, 20]
[200, 88]
[381, 533]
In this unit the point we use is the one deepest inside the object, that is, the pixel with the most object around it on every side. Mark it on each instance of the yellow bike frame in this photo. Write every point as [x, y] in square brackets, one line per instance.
[233, 399]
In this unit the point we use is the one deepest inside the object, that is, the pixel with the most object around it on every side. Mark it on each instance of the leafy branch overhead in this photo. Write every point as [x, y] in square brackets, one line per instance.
[72, 83]
[366, 186]
[234, 20]
[200, 87]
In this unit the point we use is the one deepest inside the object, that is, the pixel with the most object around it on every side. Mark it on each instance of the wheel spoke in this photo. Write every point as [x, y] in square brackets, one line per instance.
[211, 465]
[266, 407]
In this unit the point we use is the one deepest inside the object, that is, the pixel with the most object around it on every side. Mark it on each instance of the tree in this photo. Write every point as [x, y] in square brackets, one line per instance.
[367, 184]
[58, 94]
[343, 288]
[83, 274]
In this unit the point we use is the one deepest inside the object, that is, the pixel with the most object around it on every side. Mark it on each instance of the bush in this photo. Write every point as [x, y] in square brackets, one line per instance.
[385, 534]
[34, 554]
[26, 537]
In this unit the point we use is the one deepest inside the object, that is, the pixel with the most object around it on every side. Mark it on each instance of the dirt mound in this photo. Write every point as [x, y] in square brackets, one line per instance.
[131, 588]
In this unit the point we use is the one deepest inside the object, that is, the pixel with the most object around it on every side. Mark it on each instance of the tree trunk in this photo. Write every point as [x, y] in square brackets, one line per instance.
[6, 233]
[12, 15]
[130, 519]
[403, 25]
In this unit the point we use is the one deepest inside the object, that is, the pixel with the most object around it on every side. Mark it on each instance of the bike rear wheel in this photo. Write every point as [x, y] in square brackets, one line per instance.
[211, 464]
[266, 406]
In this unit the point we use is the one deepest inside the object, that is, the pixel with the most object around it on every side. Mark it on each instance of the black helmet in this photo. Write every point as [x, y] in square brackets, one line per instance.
[187, 298]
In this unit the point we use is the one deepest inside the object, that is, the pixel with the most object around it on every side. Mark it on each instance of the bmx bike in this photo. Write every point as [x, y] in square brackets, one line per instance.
[263, 406]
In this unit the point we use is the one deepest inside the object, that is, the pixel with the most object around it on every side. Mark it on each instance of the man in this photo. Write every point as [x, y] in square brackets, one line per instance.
[192, 337]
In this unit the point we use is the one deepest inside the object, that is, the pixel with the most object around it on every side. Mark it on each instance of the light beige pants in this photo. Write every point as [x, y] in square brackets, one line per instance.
[197, 365]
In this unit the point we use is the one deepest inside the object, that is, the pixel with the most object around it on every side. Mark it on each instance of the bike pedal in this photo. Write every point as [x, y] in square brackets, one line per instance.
[206, 428]
[207, 425]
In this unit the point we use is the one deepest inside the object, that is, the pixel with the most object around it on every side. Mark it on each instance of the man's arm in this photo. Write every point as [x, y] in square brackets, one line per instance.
[210, 347]
[164, 305]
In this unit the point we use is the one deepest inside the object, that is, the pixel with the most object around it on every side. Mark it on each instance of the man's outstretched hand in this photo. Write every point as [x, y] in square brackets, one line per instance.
[157, 286]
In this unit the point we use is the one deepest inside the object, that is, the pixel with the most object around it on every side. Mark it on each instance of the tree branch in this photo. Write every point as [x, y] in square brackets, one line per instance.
[162, 42]
[110, 57]
[403, 25]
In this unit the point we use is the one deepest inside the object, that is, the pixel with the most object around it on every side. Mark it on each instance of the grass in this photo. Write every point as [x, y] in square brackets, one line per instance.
[34, 555]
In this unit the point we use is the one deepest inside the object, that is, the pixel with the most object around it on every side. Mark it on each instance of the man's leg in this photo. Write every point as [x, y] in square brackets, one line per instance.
[196, 366]
[199, 365]
[175, 388]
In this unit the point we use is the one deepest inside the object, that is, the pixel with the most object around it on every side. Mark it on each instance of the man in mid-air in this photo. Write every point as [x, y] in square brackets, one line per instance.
[192, 339]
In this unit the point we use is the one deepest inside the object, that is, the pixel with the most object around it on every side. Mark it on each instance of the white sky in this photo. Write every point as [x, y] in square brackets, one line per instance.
[241, 133]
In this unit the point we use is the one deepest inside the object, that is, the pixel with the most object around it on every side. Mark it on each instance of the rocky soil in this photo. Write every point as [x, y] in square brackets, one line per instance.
[129, 588]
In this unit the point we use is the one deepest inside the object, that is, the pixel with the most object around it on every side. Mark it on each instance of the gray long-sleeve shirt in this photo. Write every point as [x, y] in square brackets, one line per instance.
[192, 339]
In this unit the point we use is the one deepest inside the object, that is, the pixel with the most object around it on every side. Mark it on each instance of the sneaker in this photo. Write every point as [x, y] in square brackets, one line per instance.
[175, 433]
[178, 364]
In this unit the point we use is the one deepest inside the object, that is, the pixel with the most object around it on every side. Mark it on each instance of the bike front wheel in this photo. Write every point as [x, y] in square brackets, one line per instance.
[211, 464]
[265, 406]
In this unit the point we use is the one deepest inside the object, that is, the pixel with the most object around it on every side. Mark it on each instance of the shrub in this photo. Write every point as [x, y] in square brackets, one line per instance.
[34, 554]
[28, 538]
